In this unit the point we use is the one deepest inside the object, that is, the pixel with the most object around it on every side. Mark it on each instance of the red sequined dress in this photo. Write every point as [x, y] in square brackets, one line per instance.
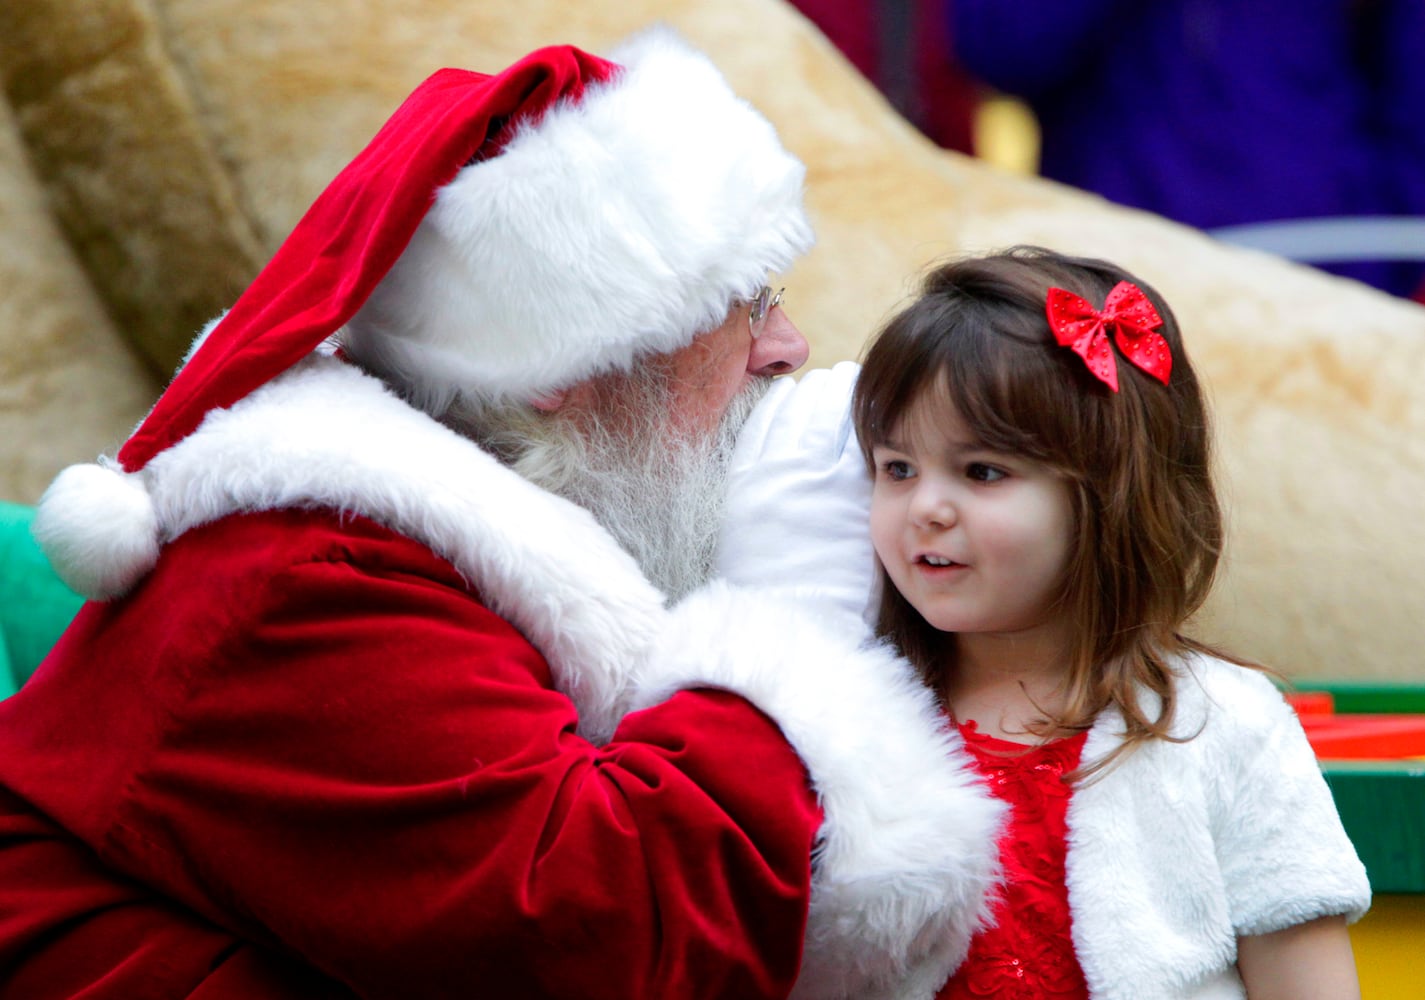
[1029, 952]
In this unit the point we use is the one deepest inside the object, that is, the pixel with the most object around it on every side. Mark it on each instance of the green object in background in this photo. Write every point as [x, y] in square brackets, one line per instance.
[35, 607]
[1369, 697]
[1382, 806]
[1381, 802]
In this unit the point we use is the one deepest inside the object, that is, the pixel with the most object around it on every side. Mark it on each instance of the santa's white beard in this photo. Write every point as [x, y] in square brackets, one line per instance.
[656, 488]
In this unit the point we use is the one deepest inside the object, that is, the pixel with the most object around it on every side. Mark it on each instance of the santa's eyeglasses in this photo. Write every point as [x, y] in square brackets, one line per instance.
[762, 305]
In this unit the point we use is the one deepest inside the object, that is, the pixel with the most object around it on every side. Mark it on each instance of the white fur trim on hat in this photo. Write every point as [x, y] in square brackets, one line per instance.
[618, 225]
[98, 528]
[323, 434]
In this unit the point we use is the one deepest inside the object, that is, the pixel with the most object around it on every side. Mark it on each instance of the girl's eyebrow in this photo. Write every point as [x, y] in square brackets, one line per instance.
[976, 445]
[956, 449]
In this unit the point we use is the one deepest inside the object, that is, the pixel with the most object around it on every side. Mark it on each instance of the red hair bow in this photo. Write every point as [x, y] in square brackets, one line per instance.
[1080, 326]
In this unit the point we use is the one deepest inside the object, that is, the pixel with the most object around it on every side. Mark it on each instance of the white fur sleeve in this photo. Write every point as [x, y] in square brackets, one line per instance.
[907, 849]
[1285, 856]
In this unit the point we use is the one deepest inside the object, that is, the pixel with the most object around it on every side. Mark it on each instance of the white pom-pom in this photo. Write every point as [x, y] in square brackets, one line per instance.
[98, 527]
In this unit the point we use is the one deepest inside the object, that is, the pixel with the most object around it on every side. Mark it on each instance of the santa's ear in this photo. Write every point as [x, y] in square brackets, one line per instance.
[550, 401]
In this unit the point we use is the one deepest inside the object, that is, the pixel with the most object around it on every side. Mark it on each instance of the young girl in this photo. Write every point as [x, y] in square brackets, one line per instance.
[1044, 518]
[1044, 513]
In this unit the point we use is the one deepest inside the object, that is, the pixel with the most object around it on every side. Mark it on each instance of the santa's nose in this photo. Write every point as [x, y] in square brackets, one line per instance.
[779, 348]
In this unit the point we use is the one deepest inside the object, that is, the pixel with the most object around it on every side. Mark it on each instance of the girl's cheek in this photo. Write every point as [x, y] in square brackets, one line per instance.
[876, 522]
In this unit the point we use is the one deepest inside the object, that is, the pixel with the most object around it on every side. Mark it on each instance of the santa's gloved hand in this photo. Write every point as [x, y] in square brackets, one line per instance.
[799, 497]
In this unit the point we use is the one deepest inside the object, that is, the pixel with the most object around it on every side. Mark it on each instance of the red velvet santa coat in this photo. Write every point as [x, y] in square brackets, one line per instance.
[384, 718]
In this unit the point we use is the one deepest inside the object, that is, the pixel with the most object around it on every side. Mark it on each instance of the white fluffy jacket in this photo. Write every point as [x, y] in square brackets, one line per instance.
[1183, 847]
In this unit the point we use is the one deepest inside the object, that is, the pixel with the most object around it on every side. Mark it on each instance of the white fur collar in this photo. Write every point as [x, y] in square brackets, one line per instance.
[324, 434]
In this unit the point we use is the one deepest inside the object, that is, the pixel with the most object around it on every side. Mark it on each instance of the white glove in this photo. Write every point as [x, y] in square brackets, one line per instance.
[799, 496]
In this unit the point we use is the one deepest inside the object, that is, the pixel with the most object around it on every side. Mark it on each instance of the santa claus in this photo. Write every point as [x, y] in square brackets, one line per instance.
[403, 674]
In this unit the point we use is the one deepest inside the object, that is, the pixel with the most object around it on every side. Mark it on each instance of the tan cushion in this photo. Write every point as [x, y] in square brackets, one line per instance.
[181, 139]
[70, 385]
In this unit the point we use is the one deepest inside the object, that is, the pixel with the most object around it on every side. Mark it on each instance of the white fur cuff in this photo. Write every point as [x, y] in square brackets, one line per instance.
[907, 850]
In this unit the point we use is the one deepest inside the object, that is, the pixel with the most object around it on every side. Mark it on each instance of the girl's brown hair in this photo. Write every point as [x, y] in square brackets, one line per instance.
[1149, 528]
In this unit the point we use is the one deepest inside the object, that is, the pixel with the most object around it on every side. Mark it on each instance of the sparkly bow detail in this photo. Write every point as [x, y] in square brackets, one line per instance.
[1080, 326]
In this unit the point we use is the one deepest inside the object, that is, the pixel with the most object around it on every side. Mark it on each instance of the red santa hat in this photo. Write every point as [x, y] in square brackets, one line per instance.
[506, 236]
[514, 234]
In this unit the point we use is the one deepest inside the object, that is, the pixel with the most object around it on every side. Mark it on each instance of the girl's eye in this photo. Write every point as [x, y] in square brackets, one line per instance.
[982, 473]
[897, 469]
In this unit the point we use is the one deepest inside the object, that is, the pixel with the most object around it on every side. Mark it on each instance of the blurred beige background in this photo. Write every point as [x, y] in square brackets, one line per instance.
[153, 153]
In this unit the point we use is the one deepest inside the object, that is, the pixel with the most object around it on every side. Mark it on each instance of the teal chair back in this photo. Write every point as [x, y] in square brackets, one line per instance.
[35, 607]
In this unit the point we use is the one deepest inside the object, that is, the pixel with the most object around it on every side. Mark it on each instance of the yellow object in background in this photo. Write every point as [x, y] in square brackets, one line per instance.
[1007, 134]
[1389, 943]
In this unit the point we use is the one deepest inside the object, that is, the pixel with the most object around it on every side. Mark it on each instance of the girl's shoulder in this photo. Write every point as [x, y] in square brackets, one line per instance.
[1211, 676]
[1221, 702]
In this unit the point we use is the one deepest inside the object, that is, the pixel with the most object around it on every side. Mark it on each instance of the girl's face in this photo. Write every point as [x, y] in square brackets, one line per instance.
[977, 541]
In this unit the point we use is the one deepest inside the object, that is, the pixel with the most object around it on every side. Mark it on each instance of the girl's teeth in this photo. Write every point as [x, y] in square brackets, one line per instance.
[937, 560]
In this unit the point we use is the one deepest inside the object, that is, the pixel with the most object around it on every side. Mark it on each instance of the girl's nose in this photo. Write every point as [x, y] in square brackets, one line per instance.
[932, 506]
[779, 348]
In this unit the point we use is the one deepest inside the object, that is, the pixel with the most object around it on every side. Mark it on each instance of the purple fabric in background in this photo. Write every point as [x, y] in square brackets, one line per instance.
[1220, 112]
